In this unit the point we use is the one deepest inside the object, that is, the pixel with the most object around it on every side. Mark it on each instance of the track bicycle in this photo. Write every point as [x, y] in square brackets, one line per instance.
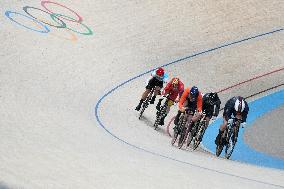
[229, 138]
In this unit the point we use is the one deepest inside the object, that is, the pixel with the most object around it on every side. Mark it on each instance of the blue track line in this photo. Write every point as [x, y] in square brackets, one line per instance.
[174, 62]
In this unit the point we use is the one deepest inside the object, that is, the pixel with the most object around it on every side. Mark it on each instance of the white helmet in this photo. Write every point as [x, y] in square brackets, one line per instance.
[239, 104]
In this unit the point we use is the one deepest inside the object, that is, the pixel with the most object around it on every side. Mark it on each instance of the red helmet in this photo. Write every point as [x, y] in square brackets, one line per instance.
[160, 72]
[175, 81]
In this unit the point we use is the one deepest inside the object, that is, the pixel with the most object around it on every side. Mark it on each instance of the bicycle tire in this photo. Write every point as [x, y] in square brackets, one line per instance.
[145, 104]
[184, 133]
[160, 114]
[199, 135]
[174, 138]
[231, 143]
[189, 138]
[191, 135]
[219, 149]
[142, 111]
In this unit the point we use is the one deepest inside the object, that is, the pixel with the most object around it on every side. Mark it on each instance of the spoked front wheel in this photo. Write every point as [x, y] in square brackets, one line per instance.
[189, 138]
[159, 116]
[142, 111]
[192, 133]
[198, 137]
[174, 139]
[144, 106]
[157, 121]
[230, 147]
[219, 149]
[183, 137]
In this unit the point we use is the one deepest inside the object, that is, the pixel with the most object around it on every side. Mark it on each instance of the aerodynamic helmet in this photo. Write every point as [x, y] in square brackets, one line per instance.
[239, 104]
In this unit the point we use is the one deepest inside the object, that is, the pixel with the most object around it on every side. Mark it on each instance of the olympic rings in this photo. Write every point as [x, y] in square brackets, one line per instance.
[46, 29]
[89, 30]
[57, 20]
[80, 19]
[62, 24]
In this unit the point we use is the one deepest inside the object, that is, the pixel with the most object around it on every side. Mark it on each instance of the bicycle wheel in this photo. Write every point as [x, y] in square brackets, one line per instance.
[183, 136]
[192, 134]
[174, 137]
[145, 105]
[199, 135]
[160, 114]
[222, 142]
[181, 125]
[142, 110]
[231, 143]
[219, 149]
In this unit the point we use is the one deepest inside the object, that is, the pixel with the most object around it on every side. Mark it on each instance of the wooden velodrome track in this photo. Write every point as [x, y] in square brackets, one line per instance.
[68, 95]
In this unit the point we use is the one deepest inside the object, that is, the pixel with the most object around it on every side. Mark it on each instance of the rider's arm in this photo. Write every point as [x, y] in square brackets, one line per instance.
[181, 89]
[217, 108]
[199, 103]
[245, 113]
[166, 89]
[228, 111]
[183, 98]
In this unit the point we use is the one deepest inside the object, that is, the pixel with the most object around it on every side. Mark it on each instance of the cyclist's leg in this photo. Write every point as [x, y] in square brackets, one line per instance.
[144, 96]
[170, 102]
[192, 120]
[177, 118]
[221, 131]
[149, 87]
[158, 86]
[159, 103]
[176, 127]
[207, 118]
[195, 117]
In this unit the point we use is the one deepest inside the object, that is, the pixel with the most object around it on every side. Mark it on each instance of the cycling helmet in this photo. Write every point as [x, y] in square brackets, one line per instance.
[160, 72]
[239, 104]
[212, 98]
[194, 92]
[175, 82]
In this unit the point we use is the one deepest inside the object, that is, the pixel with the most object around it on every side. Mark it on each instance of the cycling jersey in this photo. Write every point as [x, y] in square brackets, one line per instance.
[193, 105]
[210, 110]
[173, 92]
[229, 110]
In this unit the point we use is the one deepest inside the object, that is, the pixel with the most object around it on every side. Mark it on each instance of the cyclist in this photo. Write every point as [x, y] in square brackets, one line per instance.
[210, 106]
[157, 79]
[191, 100]
[173, 92]
[235, 107]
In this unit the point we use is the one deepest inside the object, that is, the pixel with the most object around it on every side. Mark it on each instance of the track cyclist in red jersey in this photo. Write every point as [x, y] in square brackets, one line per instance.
[191, 100]
[235, 107]
[173, 92]
[158, 78]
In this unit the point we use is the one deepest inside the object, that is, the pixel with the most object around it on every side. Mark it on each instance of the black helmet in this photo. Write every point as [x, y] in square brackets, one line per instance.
[212, 98]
